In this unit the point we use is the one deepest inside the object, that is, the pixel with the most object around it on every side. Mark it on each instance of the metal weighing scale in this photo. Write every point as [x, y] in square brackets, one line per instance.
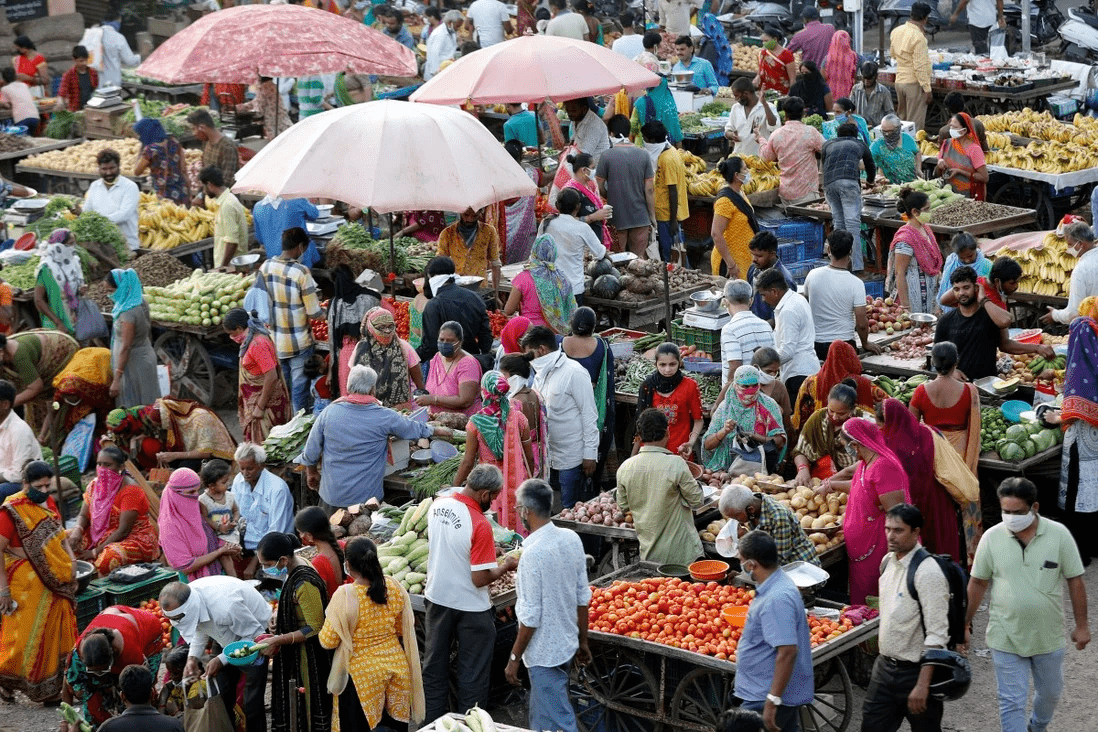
[107, 96]
[694, 318]
[324, 227]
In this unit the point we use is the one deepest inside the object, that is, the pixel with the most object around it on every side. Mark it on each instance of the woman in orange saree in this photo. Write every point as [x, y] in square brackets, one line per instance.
[37, 591]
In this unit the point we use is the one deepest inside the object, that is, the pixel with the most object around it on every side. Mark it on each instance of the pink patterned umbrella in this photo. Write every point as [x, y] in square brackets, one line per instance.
[533, 69]
[235, 45]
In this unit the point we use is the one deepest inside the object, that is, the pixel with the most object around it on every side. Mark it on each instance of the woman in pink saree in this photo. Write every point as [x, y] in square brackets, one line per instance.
[189, 544]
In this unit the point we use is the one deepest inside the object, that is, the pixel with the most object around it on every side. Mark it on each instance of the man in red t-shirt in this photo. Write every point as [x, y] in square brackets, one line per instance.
[461, 565]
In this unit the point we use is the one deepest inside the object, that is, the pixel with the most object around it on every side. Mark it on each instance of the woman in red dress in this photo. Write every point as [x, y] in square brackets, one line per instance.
[311, 525]
[673, 393]
[777, 65]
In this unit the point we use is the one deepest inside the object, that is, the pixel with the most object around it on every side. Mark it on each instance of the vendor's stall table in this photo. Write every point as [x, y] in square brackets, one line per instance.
[67, 181]
[890, 218]
[1051, 195]
[638, 684]
[891, 366]
[831, 557]
[41, 144]
[991, 461]
[985, 101]
[189, 93]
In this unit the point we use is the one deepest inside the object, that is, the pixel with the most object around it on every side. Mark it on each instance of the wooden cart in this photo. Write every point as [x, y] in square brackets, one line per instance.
[192, 354]
[634, 685]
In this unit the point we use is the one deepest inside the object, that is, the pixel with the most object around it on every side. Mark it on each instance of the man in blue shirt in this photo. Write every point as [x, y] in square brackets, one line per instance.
[764, 256]
[274, 215]
[523, 126]
[705, 79]
[394, 28]
[774, 656]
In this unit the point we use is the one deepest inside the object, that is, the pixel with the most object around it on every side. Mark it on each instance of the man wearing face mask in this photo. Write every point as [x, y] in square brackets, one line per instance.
[553, 594]
[625, 174]
[749, 118]
[116, 51]
[225, 610]
[872, 99]
[774, 656]
[1028, 556]
[761, 512]
[669, 187]
[473, 245]
[1084, 278]
[461, 565]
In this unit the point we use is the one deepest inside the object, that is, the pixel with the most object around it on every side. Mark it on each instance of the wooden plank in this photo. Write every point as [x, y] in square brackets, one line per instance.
[988, 462]
[67, 174]
[610, 532]
[47, 145]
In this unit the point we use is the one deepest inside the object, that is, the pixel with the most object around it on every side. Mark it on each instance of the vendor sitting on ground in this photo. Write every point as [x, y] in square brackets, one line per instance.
[819, 453]
[656, 486]
[758, 511]
[173, 432]
[473, 245]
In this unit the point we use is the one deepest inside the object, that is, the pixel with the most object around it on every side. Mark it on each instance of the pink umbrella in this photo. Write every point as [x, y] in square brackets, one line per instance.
[235, 45]
[533, 69]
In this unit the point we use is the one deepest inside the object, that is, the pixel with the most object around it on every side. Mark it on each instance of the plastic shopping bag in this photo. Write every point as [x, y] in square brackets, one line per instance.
[728, 540]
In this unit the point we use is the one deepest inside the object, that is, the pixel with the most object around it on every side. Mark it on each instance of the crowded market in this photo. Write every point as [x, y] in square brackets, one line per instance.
[625, 377]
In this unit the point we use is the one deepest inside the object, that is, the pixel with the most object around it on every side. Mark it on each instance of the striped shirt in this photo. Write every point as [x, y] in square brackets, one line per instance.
[294, 302]
[785, 528]
[741, 337]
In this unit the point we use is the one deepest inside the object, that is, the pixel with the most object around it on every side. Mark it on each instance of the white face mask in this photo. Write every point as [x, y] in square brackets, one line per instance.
[746, 177]
[542, 362]
[1017, 523]
[1073, 252]
[515, 383]
[956, 132]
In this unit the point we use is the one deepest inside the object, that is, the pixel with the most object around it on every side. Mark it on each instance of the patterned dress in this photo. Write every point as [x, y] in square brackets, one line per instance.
[142, 543]
[166, 175]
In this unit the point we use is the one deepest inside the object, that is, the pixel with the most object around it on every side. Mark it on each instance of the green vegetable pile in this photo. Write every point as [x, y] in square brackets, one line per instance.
[286, 442]
[814, 120]
[21, 275]
[639, 368]
[713, 109]
[428, 482]
[691, 123]
[993, 427]
[201, 299]
[353, 245]
[1023, 441]
[65, 125]
[92, 226]
[899, 388]
[174, 122]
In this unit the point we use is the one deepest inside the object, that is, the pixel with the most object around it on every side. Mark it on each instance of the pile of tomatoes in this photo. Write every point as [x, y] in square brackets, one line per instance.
[685, 615]
[319, 327]
[152, 606]
[497, 320]
[400, 310]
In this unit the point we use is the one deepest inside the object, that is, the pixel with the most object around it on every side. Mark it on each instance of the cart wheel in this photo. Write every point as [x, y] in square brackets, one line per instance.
[188, 362]
[1027, 195]
[628, 553]
[615, 693]
[701, 698]
[832, 702]
[937, 116]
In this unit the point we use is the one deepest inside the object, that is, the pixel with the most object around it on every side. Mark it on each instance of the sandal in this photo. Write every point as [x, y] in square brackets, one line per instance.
[7, 696]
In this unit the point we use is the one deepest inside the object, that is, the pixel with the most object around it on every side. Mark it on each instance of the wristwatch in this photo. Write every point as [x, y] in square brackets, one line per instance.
[775, 700]
[514, 657]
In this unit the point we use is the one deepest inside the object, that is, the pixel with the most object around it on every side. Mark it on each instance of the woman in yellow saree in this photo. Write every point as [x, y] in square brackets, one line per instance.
[37, 591]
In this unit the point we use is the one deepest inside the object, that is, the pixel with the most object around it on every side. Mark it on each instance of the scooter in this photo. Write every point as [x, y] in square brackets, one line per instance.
[1080, 35]
[831, 11]
[774, 14]
[1045, 20]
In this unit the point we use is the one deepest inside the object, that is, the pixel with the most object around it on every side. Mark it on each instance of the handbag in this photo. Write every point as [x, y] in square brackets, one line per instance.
[89, 321]
[211, 716]
[749, 460]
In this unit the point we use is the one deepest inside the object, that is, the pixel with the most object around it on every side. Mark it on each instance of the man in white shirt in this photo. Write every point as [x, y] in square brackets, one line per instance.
[571, 415]
[116, 51]
[442, 44]
[115, 196]
[225, 610]
[18, 445]
[489, 22]
[794, 332]
[630, 44]
[1084, 278]
[744, 334]
[589, 132]
[837, 299]
[572, 236]
[983, 15]
[749, 118]
[566, 24]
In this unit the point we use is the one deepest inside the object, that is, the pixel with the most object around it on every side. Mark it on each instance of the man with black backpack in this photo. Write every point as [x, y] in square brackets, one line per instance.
[911, 624]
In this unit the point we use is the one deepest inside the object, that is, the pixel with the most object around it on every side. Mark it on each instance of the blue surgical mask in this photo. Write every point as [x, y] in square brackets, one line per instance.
[840, 117]
[447, 349]
[276, 573]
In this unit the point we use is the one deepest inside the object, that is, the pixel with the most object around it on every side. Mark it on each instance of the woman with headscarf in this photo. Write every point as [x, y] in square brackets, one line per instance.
[515, 219]
[263, 401]
[671, 391]
[175, 432]
[961, 160]
[842, 363]
[939, 481]
[162, 156]
[132, 356]
[777, 64]
[841, 64]
[393, 358]
[31, 361]
[190, 545]
[592, 352]
[592, 210]
[540, 293]
[895, 152]
[58, 281]
[39, 576]
[914, 259]
[812, 89]
[510, 337]
[750, 418]
[656, 103]
[879, 483]
[499, 435]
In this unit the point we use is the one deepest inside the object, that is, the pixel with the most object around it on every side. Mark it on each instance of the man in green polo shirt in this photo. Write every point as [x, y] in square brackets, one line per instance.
[1028, 556]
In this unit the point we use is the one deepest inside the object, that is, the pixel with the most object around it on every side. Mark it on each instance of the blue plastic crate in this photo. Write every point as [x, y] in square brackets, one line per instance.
[791, 252]
[805, 231]
[875, 288]
[814, 249]
[800, 270]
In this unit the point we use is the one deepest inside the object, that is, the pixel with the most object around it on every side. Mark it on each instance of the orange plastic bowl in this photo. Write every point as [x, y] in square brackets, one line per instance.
[735, 615]
[26, 242]
[709, 570]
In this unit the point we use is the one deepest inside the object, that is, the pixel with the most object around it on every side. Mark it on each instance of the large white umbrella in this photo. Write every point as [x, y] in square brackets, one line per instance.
[389, 156]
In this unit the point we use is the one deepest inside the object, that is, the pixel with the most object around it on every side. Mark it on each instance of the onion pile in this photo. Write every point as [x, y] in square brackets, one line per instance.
[913, 345]
[601, 510]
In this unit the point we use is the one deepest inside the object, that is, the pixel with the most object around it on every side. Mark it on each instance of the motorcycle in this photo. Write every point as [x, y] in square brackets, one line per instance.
[896, 12]
[1080, 36]
[774, 14]
[831, 11]
[1045, 20]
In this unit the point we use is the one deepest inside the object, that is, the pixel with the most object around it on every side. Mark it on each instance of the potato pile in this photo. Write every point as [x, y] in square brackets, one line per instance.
[81, 158]
[746, 58]
[709, 533]
[814, 511]
[714, 478]
[602, 510]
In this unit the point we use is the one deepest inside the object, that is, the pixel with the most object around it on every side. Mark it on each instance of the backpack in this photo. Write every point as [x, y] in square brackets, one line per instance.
[957, 579]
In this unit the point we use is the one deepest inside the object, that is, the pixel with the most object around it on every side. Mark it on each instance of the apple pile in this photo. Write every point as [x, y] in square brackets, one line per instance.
[886, 315]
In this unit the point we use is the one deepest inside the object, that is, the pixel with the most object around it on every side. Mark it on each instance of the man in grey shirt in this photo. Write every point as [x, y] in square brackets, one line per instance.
[625, 175]
[842, 183]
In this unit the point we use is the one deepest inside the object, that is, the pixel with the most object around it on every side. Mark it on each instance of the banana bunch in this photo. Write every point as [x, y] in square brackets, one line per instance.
[694, 164]
[700, 181]
[166, 225]
[1046, 270]
[1055, 147]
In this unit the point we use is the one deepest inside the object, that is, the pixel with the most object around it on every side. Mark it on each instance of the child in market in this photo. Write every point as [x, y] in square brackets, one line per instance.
[677, 396]
[219, 509]
[316, 371]
[171, 700]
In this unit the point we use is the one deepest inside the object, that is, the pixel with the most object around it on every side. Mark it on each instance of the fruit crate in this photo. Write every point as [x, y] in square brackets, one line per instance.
[89, 603]
[806, 231]
[800, 270]
[705, 340]
[875, 288]
[791, 251]
[132, 594]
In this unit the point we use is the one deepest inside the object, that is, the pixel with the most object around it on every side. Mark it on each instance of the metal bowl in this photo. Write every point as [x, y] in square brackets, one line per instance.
[683, 77]
[244, 262]
[925, 319]
[324, 210]
[706, 301]
[85, 572]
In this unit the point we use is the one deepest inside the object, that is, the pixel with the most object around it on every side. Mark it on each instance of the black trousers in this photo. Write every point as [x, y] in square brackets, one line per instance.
[793, 386]
[351, 716]
[255, 686]
[885, 706]
[979, 39]
[476, 639]
[821, 353]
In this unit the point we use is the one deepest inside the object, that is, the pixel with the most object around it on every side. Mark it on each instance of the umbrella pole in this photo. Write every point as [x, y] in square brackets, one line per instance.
[666, 294]
[392, 252]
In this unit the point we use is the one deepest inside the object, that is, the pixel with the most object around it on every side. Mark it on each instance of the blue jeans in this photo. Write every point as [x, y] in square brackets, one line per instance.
[570, 484]
[550, 709]
[1012, 676]
[845, 199]
[788, 719]
[9, 489]
[667, 239]
[293, 369]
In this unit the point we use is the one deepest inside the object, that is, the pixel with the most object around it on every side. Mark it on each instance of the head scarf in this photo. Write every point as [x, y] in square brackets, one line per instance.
[927, 253]
[387, 360]
[103, 493]
[116, 418]
[128, 294]
[842, 363]
[491, 420]
[745, 376]
[342, 95]
[1088, 308]
[150, 131]
[182, 530]
[255, 327]
[63, 264]
[841, 64]
[554, 291]
[913, 443]
[1080, 399]
[866, 433]
[659, 104]
[657, 382]
[513, 332]
[763, 415]
[59, 236]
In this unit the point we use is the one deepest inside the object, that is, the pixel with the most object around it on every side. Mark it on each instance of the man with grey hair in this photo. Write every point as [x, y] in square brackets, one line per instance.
[264, 499]
[1084, 278]
[759, 511]
[460, 566]
[224, 610]
[552, 610]
[745, 333]
[442, 44]
[352, 436]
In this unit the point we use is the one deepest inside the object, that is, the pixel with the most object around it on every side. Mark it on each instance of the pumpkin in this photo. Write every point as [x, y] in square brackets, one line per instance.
[601, 267]
[606, 287]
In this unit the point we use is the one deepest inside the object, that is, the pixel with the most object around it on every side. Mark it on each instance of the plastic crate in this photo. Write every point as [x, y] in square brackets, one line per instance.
[800, 270]
[805, 231]
[791, 251]
[89, 603]
[133, 594]
[875, 288]
[705, 340]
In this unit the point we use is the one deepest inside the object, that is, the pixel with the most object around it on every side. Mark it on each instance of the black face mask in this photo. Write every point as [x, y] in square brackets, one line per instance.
[36, 495]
